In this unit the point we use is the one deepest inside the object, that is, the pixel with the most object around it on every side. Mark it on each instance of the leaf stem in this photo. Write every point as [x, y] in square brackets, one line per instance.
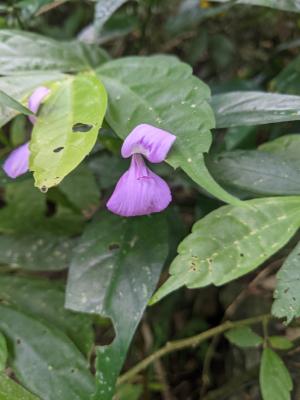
[192, 341]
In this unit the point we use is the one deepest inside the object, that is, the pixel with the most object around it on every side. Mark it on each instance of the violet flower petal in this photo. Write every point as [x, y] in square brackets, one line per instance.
[35, 100]
[153, 143]
[139, 191]
[17, 163]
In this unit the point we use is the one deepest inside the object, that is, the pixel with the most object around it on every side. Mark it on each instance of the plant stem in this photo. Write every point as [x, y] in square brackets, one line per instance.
[193, 341]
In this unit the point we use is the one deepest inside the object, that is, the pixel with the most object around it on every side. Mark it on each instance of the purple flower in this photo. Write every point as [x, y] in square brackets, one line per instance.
[17, 163]
[139, 190]
[153, 143]
[35, 100]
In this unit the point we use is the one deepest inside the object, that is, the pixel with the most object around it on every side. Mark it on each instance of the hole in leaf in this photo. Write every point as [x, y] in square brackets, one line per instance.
[58, 149]
[114, 246]
[106, 334]
[80, 127]
[241, 255]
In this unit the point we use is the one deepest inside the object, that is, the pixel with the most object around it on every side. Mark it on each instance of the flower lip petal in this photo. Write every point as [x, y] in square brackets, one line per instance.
[17, 163]
[139, 191]
[153, 143]
[35, 100]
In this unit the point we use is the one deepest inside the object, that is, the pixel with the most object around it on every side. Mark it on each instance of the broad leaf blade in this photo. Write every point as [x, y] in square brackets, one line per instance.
[280, 342]
[114, 272]
[10, 390]
[67, 128]
[256, 172]
[44, 359]
[162, 91]
[287, 146]
[275, 380]
[20, 87]
[254, 108]
[7, 101]
[232, 241]
[24, 51]
[288, 80]
[3, 352]
[243, 337]
[287, 292]
[103, 11]
[286, 5]
[44, 300]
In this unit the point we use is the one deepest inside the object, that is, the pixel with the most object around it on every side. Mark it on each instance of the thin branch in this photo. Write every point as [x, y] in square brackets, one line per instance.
[49, 7]
[193, 341]
[229, 312]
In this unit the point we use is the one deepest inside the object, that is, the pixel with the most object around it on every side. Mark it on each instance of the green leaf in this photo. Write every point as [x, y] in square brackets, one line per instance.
[103, 11]
[43, 251]
[280, 342]
[162, 91]
[287, 146]
[3, 352]
[287, 292]
[24, 51]
[129, 392]
[44, 300]
[81, 189]
[275, 380]
[287, 5]
[114, 271]
[7, 101]
[67, 128]
[243, 337]
[254, 108]
[256, 172]
[30, 239]
[288, 80]
[20, 86]
[232, 241]
[25, 213]
[10, 390]
[44, 359]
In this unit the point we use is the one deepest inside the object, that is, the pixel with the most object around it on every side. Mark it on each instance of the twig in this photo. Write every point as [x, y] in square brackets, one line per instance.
[50, 7]
[193, 341]
[158, 366]
[229, 312]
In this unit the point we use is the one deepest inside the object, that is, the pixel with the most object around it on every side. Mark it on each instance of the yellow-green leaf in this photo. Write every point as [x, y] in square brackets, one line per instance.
[67, 128]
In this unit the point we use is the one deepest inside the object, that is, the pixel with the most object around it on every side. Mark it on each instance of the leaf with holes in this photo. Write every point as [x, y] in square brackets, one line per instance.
[274, 377]
[287, 292]
[114, 271]
[232, 241]
[44, 359]
[67, 128]
[162, 91]
[254, 108]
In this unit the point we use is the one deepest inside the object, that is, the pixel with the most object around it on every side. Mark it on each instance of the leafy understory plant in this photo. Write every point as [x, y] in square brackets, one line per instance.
[90, 213]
